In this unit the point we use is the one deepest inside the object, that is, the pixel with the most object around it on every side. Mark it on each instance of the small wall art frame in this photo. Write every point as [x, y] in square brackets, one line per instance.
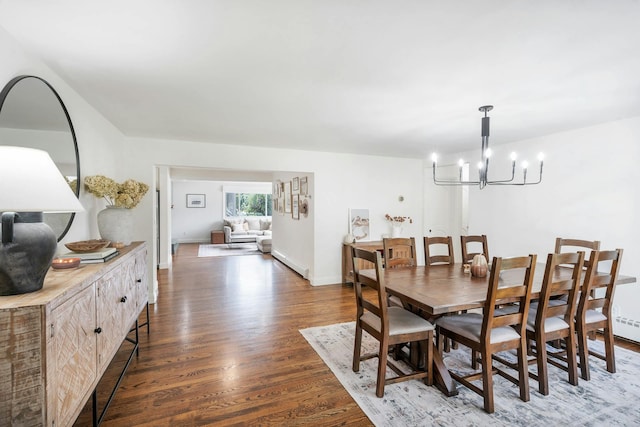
[196, 200]
[295, 206]
[287, 197]
[359, 224]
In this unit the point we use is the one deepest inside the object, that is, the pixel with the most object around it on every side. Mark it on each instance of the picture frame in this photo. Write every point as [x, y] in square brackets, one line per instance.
[359, 224]
[196, 200]
[304, 186]
[295, 206]
[287, 197]
[296, 184]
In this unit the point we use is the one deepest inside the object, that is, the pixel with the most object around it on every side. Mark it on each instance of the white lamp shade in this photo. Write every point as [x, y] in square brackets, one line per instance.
[31, 182]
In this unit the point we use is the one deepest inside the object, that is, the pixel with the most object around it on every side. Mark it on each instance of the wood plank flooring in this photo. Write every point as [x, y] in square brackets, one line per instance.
[224, 349]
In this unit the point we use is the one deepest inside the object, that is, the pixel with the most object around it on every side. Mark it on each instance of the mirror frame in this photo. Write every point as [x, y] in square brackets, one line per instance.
[3, 96]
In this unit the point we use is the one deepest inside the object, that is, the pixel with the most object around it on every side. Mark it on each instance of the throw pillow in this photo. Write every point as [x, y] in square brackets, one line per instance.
[245, 226]
[253, 224]
[230, 221]
[237, 227]
[265, 224]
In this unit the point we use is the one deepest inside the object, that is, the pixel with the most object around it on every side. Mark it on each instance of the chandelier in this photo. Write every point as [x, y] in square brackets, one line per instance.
[483, 165]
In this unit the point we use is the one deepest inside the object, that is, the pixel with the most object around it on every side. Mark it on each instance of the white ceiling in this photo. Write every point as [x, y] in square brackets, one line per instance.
[400, 78]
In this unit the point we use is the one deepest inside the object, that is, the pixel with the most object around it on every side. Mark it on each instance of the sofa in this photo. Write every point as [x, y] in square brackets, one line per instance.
[247, 230]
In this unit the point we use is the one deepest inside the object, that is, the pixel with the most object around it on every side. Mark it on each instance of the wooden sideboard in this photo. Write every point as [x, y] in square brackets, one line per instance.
[347, 261]
[57, 342]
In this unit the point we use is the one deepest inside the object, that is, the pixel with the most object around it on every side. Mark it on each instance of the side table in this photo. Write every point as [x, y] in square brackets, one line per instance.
[217, 237]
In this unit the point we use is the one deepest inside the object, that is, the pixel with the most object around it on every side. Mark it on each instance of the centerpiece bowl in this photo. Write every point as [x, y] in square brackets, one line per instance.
[87, 245]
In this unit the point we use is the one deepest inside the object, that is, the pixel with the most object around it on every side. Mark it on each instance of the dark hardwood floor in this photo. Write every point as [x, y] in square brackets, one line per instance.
[224, 349]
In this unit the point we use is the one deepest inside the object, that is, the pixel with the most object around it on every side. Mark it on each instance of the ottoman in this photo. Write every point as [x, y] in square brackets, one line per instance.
[264, 244]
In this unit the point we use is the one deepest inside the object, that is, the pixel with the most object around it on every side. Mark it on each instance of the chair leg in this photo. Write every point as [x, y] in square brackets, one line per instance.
[609, 349]
[439, 340]
[382, 368]
[474, 359]
[571, 358]
[541, 359]
[523, 371]
[356, 349]
[487, 381]
[583, 353]
[428, 363]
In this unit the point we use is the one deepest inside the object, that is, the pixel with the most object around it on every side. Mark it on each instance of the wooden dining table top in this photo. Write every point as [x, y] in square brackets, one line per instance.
[443, 289]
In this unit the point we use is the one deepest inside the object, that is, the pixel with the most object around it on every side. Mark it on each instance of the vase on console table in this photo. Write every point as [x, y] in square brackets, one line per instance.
[116, 224]
[396, 230]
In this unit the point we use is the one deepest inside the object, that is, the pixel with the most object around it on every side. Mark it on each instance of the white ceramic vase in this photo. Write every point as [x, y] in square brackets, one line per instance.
[116, 224]
[396, 230]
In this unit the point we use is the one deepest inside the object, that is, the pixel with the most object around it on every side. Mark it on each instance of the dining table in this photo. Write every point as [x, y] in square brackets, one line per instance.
[444, 289]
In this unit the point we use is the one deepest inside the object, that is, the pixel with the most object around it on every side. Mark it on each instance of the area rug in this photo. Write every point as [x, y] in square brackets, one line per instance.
[226, 250]
[607, 399]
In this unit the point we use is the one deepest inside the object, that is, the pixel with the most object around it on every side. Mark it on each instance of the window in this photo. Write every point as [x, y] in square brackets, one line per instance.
[247, 204]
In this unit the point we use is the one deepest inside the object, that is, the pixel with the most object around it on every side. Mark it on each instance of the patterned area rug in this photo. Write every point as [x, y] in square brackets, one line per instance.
[607, 399]
[226, 250]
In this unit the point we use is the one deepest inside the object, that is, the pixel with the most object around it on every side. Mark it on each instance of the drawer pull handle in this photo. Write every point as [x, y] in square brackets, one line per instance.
[139, 280]
[123, 299]
[98, 330]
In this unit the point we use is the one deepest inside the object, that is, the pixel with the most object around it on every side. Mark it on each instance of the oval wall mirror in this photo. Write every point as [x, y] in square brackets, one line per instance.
[33, 115]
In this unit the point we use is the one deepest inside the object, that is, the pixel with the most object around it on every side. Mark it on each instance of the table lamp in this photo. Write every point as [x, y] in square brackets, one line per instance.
[30, 184]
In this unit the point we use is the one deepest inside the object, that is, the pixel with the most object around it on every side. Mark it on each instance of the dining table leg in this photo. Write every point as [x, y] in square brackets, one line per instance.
[441, 377]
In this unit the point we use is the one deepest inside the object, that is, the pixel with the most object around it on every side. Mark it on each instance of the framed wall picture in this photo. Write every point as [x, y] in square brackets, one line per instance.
[196, 201]
[304, 186]
[296, 185]
[287, 197]
[359, 224]
[295, 206]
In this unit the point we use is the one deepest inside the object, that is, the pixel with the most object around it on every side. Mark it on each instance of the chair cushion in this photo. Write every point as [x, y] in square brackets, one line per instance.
[593, 316]
[401, 321]
[469, 325]
[394, 301]
[507, 309]
[551, 324]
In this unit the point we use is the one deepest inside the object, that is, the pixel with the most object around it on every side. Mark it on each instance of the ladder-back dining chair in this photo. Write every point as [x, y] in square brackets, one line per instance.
[389, 325]
[594, 308]
[551, 318]
[492, 331]
[434, 257]
[468, 242]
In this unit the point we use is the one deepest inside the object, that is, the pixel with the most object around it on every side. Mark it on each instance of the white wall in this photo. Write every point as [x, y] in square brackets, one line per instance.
[340, 182]
[293, 240]
[194, 225]
[589, 191]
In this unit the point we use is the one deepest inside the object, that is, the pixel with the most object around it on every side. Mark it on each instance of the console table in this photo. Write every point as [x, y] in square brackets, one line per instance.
[347, 261]
[58, 341]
